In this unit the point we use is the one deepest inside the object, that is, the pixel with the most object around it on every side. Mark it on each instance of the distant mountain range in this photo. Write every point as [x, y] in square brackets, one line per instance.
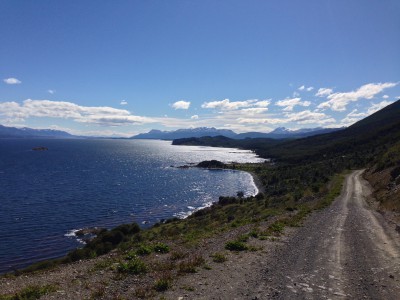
[278, 133]
[183, 133]
[12, 132]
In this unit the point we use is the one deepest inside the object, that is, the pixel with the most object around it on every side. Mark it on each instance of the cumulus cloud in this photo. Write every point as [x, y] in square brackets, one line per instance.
[51, 91]
[272, 121]
[262, 103]
[102, 115]
[194, 117]
[309, 117]
[339, 101]
[12, 80]
[378, 106]
[254, 110]
[304, 88]
[355, 115]
[226, 104]
[290, 103]
[123, 102]
[182, 104]
[323, 92]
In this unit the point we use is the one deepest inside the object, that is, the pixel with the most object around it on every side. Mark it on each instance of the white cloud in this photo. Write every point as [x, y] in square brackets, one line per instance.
[309, 117]
[290, 103]
[12, 80]
[254, 110]
[194, 117]
[385, 96]
[51, 91]
[262, 103]
[272, 121]
[339, 101]
[181, 104]
[123, 102]
[226, 104]
[355, 116]
[102, 115]
[378, 106]
[323, 92]
[304, 88]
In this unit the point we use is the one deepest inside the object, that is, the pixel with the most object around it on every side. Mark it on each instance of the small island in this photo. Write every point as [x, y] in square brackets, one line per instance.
[41, 148]
[211, 164]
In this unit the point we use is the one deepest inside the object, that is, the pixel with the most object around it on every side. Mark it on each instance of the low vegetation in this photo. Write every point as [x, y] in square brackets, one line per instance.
[30, 293]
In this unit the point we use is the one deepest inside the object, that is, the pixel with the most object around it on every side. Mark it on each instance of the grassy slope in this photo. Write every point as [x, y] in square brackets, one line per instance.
[303, 180]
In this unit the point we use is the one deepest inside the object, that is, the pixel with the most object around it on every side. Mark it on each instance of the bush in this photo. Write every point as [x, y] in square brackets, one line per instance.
[227, 200]
[30, 293]
[277, 227]
[134, 266]
[161, 248]
[219, 257]
[236, 246]
[144, 250]
[189, 265]
[163, 283]
[127, 229]
[177, 255]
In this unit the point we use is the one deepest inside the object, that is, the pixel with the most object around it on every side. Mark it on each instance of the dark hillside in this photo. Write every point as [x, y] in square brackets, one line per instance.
[365, 138]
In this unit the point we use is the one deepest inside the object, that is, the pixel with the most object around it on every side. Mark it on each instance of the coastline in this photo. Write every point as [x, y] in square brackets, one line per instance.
[257, 182]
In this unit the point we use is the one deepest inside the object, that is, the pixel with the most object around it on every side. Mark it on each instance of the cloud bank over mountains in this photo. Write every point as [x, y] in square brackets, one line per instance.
[325, 107]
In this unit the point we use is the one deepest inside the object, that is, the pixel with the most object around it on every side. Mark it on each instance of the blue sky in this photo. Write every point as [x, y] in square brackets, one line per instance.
[125, 67]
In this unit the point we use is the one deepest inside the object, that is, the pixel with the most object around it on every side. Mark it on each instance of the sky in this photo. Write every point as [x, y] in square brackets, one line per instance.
[119, 68]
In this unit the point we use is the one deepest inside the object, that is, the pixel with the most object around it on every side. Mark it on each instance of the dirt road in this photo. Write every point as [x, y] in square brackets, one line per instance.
[345, 251]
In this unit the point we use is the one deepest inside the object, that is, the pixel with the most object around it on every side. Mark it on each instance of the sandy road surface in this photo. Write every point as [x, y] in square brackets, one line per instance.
[346, 251]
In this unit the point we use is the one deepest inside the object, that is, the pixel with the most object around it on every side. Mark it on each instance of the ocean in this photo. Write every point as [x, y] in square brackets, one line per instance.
[45, 196]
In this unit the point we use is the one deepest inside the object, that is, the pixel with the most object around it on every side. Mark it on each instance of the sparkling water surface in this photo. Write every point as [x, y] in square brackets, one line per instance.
[46, 195]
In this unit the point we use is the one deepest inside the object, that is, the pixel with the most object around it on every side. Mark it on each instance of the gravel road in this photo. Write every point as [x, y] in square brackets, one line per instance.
[347, 251]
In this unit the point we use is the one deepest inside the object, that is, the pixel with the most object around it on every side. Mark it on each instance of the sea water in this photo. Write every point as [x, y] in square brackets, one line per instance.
[45, 196]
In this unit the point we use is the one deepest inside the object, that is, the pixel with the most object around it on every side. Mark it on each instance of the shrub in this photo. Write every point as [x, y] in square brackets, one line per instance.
[277, 227]
[144, 250]
[134, 266]
[260, 196]
[163, 283]
[227, 200]
[177, 255]
[219, 257]
[236, 246]
[30, 293]
[189, 265]
[161, 248]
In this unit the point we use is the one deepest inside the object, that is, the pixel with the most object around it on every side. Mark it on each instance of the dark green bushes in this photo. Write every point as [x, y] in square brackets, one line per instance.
[133, 266]
[236, 246]
[104, 242]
